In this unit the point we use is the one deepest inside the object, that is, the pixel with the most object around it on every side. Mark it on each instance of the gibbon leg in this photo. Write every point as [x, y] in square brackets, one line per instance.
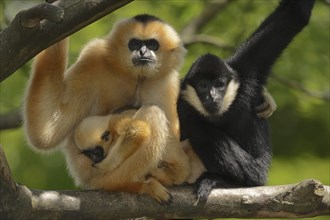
[132, 176]
[174, 167]
[196, 165]
[129, 182]
[176, 162]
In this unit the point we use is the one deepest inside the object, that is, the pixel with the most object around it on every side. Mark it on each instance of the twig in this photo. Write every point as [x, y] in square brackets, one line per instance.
[298, 86]
[207, 39]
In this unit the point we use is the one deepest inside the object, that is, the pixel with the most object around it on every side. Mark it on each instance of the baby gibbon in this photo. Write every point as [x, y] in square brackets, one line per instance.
[115, 143]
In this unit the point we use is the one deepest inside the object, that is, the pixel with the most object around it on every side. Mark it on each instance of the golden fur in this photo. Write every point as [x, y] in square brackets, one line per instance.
[102, 80]
[130, 135]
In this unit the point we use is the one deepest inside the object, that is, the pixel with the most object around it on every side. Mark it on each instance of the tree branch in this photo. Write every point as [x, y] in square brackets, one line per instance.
[10, 120]
[305, 199]
[209, 12]
[207, 39]
[37, 28]
[300, 87]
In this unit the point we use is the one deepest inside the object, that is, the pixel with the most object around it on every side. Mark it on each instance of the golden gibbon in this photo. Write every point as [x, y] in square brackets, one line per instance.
[135, 65]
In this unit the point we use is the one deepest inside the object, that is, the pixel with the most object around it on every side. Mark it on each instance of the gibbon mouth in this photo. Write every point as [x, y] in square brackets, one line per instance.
[141, 61]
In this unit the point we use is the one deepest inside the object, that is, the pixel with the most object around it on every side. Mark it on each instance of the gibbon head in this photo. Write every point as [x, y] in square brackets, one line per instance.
[210, 86]
[93, 139]
[96, 135]
[145, 46]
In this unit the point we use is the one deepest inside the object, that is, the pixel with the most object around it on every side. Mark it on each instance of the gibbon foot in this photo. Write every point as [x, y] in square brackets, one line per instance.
[157, 191]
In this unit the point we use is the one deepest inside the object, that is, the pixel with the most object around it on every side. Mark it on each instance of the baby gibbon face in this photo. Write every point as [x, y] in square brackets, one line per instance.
[146, 47]
[92, 137]
[96, 135]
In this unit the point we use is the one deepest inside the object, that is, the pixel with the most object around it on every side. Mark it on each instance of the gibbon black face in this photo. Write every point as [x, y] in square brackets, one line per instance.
[96, 154]
[211, 85]
[143, 51]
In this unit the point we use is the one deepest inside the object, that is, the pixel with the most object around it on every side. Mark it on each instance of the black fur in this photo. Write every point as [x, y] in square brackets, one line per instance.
[235, 147]
[145, 18]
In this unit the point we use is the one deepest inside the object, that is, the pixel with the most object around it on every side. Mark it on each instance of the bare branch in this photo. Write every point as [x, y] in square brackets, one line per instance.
[189, 33]
[300, 87]
[209, 12]
[207, 39]
[18, 44]
[10, 120]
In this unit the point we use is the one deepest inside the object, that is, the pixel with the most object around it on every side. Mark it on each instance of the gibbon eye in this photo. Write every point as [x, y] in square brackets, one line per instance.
[134, 44]
[203, 86]
[218, 83]
[106, 136]
[152, 44]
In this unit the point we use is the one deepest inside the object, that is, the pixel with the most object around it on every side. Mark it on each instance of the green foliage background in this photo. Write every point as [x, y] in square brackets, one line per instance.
[300, 126]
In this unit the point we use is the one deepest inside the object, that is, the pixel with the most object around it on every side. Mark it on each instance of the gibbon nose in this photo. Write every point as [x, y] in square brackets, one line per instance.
[143, 50]
[214, 94]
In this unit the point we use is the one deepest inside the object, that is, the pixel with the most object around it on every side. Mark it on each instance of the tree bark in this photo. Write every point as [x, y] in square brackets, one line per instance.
[37, 28]
[305, 199]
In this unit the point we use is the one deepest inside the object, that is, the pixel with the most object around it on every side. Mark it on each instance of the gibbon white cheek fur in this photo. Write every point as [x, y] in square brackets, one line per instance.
[135, 65]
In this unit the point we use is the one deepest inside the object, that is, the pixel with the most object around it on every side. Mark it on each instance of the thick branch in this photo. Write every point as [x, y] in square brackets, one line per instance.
[305, 199]
[29, 32]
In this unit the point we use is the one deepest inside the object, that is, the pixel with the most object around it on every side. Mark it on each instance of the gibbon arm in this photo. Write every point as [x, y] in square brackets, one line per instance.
[49, 112]
[265, 45]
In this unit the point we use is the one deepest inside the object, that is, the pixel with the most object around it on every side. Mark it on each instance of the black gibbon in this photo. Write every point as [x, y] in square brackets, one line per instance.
[218, 99]
[135, 65]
